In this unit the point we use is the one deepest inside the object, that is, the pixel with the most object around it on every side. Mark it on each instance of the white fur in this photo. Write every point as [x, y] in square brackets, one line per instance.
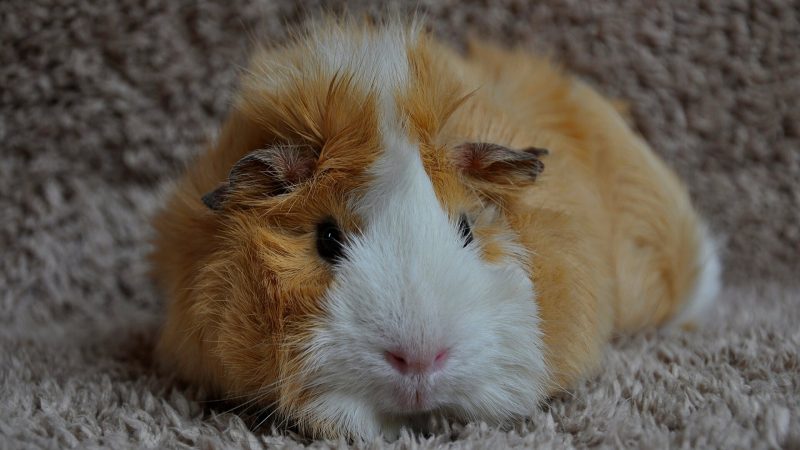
[373, 59]
[408, 281]
[708, 283]
[376, 60]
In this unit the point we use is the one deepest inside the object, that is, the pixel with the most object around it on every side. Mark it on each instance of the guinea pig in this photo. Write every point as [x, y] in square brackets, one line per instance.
[387, 229]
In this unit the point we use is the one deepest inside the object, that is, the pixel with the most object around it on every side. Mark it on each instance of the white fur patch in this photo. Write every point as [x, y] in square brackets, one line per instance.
[373, 59]
[708, 283]
[408, 281]
[376, 60]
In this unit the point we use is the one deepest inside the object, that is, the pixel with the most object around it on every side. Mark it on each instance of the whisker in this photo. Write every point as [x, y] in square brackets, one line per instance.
[275, 410]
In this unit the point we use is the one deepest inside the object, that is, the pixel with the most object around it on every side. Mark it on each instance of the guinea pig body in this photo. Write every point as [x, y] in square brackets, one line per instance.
[374, 236]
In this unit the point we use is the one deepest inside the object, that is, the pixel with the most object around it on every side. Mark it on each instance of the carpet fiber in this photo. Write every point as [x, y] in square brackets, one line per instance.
[102, 103]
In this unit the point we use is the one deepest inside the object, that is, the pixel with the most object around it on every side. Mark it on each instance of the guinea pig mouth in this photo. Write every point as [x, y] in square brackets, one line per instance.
[414, 398]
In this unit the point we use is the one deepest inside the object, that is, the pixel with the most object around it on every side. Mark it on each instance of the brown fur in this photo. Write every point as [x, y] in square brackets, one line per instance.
[611, 233]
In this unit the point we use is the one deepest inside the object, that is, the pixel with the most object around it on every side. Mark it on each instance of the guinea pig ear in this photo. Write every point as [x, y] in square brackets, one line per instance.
[265, 173]
[495, 163]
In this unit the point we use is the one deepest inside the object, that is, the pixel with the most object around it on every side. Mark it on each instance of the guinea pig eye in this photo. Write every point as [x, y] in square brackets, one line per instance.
[329, 241]
[465, 229]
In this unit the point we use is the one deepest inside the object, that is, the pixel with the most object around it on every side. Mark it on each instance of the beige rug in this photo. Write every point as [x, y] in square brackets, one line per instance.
[101, 103]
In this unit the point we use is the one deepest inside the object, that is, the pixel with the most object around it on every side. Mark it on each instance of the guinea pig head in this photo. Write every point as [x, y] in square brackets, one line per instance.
[431, 307]
[356, 271]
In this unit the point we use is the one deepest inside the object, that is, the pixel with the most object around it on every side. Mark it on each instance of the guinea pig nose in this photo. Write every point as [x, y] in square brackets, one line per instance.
[416, 363]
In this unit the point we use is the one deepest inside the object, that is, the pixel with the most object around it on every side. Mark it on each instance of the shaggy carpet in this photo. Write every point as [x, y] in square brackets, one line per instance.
[102, 103]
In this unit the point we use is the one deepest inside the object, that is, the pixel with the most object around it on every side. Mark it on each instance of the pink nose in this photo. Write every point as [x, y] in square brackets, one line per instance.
[408, 362]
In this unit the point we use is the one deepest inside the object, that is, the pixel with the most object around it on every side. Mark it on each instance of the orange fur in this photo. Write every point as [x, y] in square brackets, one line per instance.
[611, 232]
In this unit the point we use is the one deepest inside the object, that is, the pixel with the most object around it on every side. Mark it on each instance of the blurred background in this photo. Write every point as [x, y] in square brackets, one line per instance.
[103, 103]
